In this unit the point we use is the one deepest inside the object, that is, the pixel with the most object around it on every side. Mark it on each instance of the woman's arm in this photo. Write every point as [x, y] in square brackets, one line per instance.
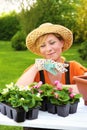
[28, 77]
[85, 73]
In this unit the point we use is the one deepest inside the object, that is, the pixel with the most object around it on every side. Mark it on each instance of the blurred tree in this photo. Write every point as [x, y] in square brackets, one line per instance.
[70, 13]
[9, 25]
[55, 11]
[81, 31]
[83, 50]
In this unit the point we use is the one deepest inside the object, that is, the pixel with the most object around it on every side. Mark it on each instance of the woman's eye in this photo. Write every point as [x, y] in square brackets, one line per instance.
[42, 45]
[52, 42]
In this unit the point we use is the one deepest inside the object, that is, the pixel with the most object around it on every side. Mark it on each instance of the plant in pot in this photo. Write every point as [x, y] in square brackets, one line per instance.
[74, 100]
[17, 102]
[62, 99]
[45, 90]
[55, 96]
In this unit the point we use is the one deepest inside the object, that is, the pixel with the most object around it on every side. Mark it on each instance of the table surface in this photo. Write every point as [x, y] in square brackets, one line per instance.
[76, 121]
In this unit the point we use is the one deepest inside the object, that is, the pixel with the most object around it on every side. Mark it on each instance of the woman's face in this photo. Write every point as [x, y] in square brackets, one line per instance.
[51, 48]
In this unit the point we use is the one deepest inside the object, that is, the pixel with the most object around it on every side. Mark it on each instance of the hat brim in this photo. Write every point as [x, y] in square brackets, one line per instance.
[64, 32]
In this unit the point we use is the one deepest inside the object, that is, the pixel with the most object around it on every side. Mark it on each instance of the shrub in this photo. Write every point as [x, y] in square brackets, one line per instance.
[83, 50]
[9, 25]
[18, 41]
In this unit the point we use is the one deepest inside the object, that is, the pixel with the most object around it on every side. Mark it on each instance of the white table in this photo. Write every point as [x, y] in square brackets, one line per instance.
[77, 121]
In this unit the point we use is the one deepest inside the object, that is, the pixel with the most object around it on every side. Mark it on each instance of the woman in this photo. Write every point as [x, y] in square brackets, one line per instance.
[49, 41]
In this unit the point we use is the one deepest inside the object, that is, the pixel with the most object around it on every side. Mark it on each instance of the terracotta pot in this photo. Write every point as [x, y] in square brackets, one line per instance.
[81, 82]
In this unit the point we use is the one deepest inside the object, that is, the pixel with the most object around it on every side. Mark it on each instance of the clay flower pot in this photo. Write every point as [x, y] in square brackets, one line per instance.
[81, 82]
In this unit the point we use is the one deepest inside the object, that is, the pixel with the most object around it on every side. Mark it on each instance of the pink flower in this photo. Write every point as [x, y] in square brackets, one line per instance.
[70, 90]
[35, 86]
[56, 82]
[40, 91]
[58, 85]
[39, 84]
[71, 95]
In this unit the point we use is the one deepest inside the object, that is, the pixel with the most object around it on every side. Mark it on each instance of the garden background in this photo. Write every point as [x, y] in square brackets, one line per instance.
[14, 56]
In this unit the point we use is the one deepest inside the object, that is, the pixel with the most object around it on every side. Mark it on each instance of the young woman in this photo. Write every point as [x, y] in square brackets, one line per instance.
[49, 41]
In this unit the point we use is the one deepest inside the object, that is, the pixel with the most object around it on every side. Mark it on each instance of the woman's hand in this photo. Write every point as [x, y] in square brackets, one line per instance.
[51, 66]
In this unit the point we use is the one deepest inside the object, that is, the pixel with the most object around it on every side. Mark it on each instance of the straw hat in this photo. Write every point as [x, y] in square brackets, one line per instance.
[46, 28]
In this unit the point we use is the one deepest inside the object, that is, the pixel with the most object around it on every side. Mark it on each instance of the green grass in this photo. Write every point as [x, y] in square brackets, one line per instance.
[72, 54]
[13, 63]
[2, 127]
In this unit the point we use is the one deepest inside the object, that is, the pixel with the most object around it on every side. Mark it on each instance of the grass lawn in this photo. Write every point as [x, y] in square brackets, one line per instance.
[13, 63]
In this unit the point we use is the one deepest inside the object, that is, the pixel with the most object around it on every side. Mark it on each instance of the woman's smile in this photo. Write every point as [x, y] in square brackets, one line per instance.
[51, 48]
[52, 53]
